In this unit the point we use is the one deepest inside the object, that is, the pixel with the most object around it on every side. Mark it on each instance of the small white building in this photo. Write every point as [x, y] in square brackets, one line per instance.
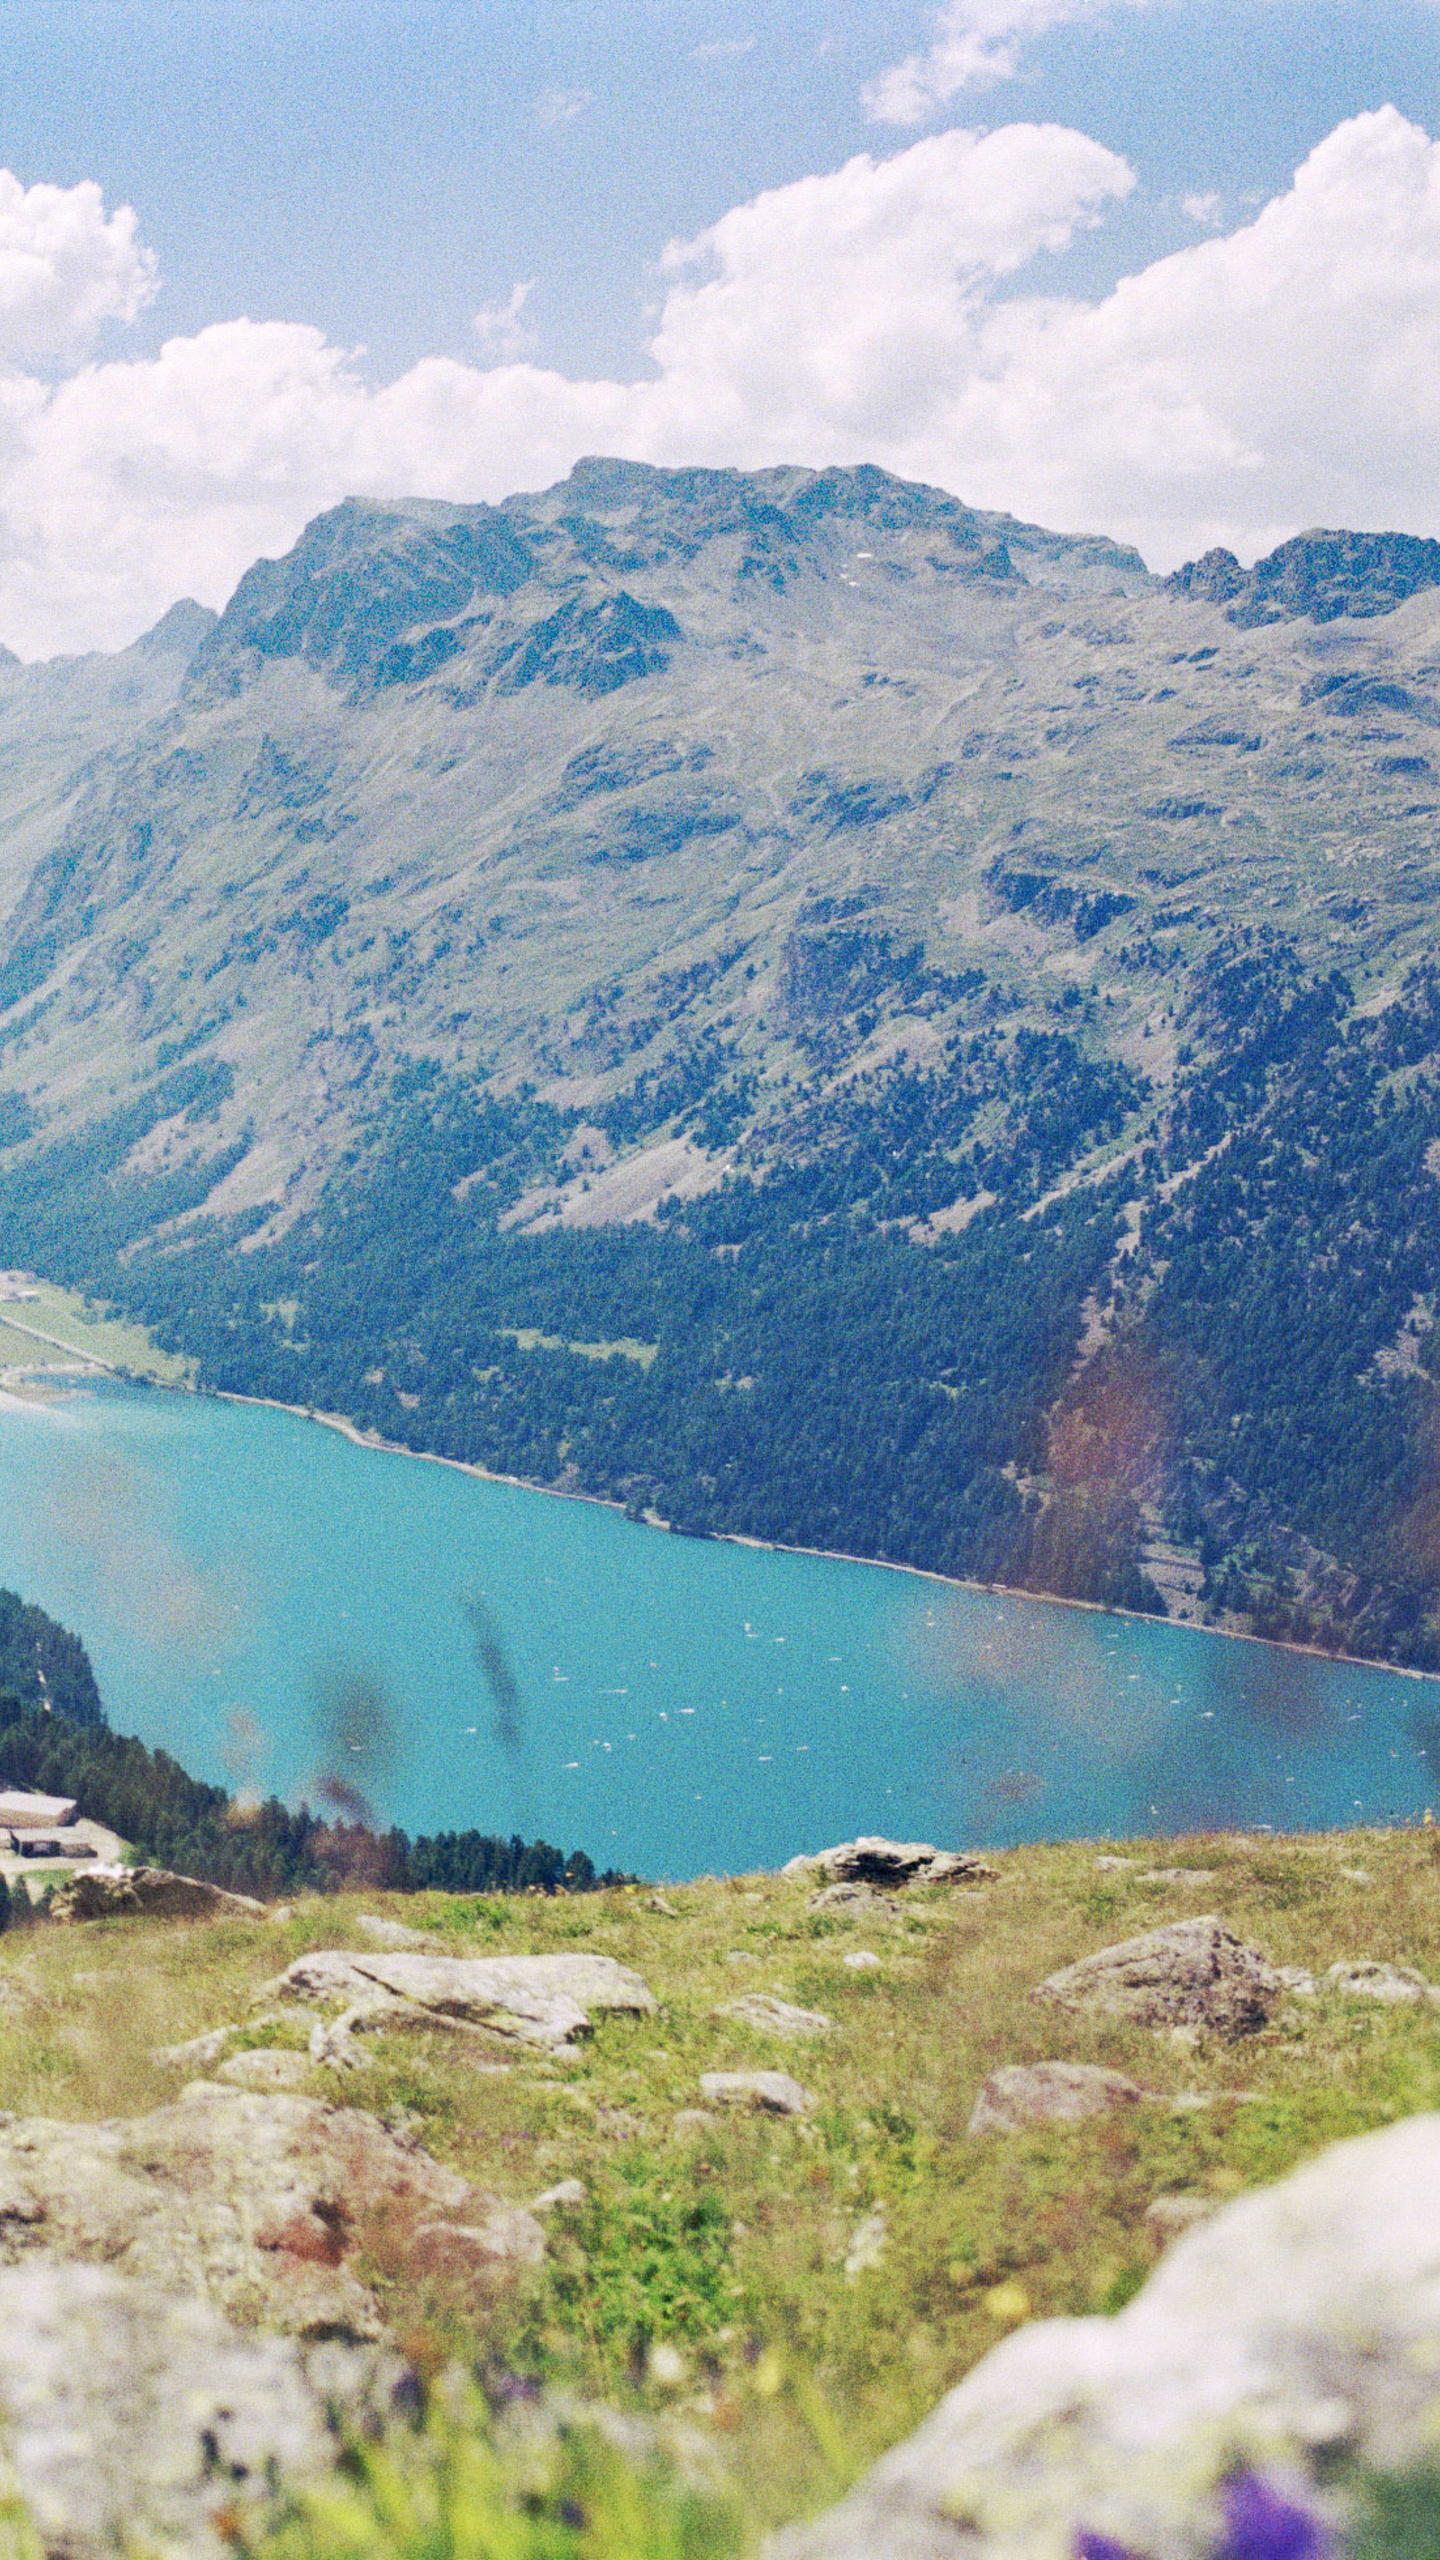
[22, 1812]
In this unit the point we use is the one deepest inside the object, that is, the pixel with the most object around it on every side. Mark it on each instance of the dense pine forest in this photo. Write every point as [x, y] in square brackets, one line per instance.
[1221, 1332]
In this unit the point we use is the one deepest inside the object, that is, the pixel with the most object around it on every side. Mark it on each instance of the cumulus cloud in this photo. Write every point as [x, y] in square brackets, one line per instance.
[907, 310]
[975, 42]
[65, 266]
[500, 326]
[851, 298]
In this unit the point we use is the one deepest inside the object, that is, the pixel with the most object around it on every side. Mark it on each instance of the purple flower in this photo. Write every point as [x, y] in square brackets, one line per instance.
[1101, 2546]
[1261, 2525]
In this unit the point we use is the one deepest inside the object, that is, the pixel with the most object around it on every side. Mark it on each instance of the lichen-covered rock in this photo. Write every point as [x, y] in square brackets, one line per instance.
[265, 2201]
[1195, 1973]
[875, 1861]
[1024, 2093]
[1295, 2322]
[147, 1893]
[773, 2092]
[539, 2000]
[772, 2017]
[134, 2418]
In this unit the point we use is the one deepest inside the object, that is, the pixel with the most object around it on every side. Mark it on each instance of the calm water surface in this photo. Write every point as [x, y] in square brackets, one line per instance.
[684, 1706]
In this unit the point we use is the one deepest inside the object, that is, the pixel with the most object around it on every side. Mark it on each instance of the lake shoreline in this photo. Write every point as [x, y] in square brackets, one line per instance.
[360, 1438]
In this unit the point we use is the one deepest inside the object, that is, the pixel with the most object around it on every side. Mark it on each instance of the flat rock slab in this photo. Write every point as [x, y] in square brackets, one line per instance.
[380, 1932]
[854, 1898]
[892, 1862]
[275, 2069]
[261, 2200]
[133, 2418]
[1195, 1973]
[773, 2092]
[147, 1893]
[1300, 2319]
[771, 2017]
[1397, 1985]
[539, 2000]
[1026, 2093]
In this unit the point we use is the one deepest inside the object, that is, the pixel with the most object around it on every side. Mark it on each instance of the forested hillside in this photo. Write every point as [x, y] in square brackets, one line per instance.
[54, 1739]
[789, 1003]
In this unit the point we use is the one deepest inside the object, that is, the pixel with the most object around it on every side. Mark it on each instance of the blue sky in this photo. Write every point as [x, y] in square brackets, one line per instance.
[384, 168]
[1052, 253]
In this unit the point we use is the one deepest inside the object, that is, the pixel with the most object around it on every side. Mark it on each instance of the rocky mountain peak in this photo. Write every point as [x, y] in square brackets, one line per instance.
[1317, 576]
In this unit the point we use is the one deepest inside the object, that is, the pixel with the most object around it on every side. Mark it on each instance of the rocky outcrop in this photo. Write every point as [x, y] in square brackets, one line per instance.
[1195, 1973]
[853, 1898]
[771, 2017]
[873, 1861]
[1316, 576]
[392, 1934]
[1295, 2324]
[1394, 1984]
[147, 1893]
[264, 2202]
[773, 2092]
[137, 2419]
[1023, 2093]
[535, 2000]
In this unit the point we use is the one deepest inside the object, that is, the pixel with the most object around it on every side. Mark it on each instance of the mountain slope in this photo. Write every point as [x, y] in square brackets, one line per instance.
[785, 1000]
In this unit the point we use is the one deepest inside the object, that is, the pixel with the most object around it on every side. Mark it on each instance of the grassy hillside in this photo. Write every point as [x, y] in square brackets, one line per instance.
[704, 2275]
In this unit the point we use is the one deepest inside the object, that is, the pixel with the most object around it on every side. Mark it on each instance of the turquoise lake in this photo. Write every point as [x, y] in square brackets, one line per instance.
[683, 1706]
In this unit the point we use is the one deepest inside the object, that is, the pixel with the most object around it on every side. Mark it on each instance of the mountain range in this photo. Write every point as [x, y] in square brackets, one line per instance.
[782, 998]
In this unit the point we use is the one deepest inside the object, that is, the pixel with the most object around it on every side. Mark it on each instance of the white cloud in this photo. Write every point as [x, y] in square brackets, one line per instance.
[1206, 210]
[559, 107]
[850, 298]
[975, 42]
[500, 326]
[65, 266]
[894, 310]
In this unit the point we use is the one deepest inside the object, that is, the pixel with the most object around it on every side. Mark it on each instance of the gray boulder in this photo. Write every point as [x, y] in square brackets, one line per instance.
[537, 2000]
[1195, 1973]
[147, 1893]
[1293, 2324]
[273, 2069]
[875, 1861]
[134, 2418]
[265, 2201]
[854, 1899]
[772, 2017]
[1398, 1985]
[1023, 2093]
[773, 2092]
[380, 1932]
